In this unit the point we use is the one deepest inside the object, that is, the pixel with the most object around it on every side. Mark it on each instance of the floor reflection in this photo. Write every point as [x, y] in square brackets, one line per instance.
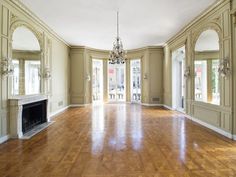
[121, 120]
[179, 137]
[182, 140]
[98, 124]
[120, 140]
[128, 130]
[136, 127]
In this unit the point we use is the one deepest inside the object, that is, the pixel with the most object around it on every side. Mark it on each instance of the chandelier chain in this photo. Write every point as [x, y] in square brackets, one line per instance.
[118, 54]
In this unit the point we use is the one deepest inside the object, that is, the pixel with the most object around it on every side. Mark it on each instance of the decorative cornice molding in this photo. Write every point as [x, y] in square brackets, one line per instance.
[27, 11]
[18, 4]
[107, 51]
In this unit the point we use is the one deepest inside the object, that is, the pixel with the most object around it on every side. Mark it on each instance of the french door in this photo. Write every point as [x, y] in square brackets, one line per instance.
[178, 81]
[97, 80]
[116, 82]
[135, 80]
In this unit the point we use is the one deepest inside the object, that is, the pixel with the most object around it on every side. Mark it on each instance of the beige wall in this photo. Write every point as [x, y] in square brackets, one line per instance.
[54, 56]
[81, 66]
[60, 76]
[218, 18]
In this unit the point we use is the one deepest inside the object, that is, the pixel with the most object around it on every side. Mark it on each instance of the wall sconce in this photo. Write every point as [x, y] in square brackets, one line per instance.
[145, 76]
[6, 66]
[87, 77]
[47, 73]
[187, 72]
[224, 68]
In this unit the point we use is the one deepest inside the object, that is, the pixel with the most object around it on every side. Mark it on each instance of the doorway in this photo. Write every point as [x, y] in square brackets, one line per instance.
[116, 82]
[135, 80]
[97, 80]
[178, 80]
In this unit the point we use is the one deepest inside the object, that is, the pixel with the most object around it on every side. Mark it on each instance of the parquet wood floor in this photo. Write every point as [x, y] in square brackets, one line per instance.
[120, 140]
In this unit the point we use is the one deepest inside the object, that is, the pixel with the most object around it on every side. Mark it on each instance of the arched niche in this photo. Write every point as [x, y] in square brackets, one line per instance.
[207, 55]
[26, 52]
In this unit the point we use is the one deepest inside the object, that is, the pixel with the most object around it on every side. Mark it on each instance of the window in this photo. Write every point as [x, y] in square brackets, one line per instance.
[32, 79]
[207, 81]
[206, 64]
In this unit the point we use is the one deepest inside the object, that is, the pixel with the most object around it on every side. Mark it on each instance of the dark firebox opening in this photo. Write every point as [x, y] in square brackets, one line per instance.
[33, 114]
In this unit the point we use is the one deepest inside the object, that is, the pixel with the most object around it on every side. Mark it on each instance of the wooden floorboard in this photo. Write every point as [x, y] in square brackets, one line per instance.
[120, 140]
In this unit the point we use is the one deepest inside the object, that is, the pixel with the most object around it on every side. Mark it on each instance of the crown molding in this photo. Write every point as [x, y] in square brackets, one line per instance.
[21, 7]
[145, 48]
[18, 4]
[89, 48]
[218, 3]
[107, 51]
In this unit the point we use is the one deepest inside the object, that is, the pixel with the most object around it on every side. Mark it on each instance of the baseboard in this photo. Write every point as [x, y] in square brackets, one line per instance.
[58, 112]
[4, 138]
[147, 104]
[78, 105]
[218, 130]
[168, 107]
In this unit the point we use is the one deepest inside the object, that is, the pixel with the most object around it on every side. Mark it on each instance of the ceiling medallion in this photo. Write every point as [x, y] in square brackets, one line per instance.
[118, 54]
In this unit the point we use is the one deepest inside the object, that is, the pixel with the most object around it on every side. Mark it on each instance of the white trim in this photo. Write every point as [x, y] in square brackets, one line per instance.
[181, 111]
[234, 137]
[132, 102]
[168, 107]
[78, 105]
[147, 104]
[53, 114]
[218, 130]
[4, 138]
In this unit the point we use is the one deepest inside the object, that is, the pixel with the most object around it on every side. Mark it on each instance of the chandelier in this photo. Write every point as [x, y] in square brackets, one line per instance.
[118, 54]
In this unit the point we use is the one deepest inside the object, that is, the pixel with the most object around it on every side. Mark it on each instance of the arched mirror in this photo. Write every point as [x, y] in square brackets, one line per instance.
[26, 58]
[206, 64]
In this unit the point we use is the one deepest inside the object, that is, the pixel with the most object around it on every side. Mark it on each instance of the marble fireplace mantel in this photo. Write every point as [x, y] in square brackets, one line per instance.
[16, 107]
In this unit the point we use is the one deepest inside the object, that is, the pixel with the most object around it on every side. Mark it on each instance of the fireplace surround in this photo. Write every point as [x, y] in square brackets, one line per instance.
[26, 113]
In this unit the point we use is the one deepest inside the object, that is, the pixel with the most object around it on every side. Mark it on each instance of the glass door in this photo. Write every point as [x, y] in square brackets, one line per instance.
[178, 81]
[116, 82]
[135, 80]
[97, 80]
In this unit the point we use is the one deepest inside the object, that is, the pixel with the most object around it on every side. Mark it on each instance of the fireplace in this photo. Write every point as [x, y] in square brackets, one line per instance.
[33, 114]
[28, 115]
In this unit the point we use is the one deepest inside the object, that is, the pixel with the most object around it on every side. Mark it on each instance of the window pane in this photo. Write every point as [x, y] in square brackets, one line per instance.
[215, 82]
[32, 79]
[201, 80]
[207, 85]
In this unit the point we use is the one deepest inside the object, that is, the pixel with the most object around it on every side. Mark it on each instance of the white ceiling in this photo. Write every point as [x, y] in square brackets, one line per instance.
[24, 39]
[92, 23]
